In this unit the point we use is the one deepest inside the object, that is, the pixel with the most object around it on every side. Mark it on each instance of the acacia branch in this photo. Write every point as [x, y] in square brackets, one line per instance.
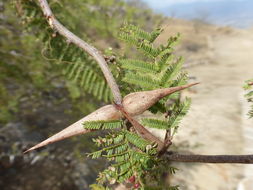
[92, 51]
[140, 129]
[217, 159]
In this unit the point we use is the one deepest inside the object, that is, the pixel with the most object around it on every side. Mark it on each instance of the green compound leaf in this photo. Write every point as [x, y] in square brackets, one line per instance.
[155, 123]
[95, 125]
[178, 113]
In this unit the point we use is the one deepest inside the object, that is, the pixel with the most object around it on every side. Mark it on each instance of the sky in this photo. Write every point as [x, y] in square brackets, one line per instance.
[162, 3]
[236, 13]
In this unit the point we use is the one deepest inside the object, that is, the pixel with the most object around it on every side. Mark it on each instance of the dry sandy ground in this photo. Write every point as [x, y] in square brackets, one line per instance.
[215, 120]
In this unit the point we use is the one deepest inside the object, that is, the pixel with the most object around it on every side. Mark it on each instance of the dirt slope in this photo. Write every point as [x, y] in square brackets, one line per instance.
[215, 119]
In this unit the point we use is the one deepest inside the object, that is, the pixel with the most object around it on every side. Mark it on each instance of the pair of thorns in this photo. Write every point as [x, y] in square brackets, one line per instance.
[132, 105]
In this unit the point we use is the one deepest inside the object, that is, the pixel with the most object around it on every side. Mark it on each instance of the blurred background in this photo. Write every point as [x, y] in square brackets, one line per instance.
[234, 13]
[37, 101]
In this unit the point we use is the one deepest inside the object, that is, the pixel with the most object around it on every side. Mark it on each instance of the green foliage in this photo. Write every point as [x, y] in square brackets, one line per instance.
[179, 110]
[155, 123]
[163, 69]
[99, 17]
[97, 187]
[138, 66]
[26, 63]
[18, 65]
[91, 81]
[249, 87]
[129, 154]
[77, 65]
[103, 124]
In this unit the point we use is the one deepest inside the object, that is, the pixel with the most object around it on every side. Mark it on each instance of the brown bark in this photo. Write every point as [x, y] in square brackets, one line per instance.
[217, 159]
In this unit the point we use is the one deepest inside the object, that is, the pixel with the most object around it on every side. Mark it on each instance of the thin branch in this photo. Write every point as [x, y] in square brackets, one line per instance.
[217, 159]
[140, 129]
[92, 51]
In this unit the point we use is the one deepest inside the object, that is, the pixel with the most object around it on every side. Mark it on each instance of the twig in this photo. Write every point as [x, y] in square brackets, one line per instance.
[140, 129]
[56, 25]
[217, 159]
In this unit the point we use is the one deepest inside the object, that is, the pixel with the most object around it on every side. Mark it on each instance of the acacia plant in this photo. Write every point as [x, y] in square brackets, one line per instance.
[137, 157]
[249, 95]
